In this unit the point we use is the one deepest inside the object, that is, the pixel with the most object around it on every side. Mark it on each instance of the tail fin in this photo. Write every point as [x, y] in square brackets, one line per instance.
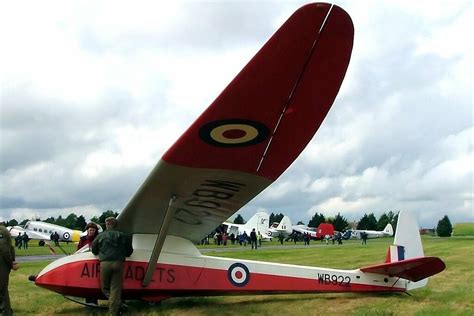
[388, 230]
[407, 243]
[259, 221]
[405, 259]
[285, 223]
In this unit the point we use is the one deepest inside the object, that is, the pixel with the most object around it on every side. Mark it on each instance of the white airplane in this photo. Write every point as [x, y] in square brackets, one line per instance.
[239, 146]
[38, 230]
[259, 221]
[282, 228]
[356, 233]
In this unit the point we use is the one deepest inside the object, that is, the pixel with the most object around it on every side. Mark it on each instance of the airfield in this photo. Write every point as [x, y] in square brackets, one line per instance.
[448, 293]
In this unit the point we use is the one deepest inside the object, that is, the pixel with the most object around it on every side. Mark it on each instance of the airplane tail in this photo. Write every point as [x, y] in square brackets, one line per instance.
[259, 221]
[285, 223]
[405, 258]
[388, 230]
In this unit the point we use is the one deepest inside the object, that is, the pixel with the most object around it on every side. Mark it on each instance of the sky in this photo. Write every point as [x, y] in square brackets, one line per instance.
[93, 93]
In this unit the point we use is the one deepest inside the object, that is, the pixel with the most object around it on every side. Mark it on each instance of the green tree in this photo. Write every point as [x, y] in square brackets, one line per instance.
[300, 223]
[340, 223]
[239, 219]
[80, 223]
[316, 220]
[12, 222]
[383, 221]
[70, 221]
[367, 222]
[444, 228]
[105, 215]
[50, 220]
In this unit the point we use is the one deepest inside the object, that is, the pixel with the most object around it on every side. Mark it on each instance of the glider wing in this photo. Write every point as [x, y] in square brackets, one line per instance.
[252, 132]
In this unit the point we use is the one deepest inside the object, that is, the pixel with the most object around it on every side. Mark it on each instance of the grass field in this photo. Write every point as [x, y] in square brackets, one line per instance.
[463, 229]
[448, 293]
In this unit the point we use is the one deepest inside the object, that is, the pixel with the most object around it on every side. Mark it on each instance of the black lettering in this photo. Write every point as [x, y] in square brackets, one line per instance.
[347, 280]
[320, 278]
[199, 203]
[171, 277]
[188, 217]
[334, 279]
[226, 185]
[212, 193]
[85, 271]
[327, 279]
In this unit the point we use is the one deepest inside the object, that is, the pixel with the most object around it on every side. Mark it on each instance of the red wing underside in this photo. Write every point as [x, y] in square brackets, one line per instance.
[284, 92]
[415, 269]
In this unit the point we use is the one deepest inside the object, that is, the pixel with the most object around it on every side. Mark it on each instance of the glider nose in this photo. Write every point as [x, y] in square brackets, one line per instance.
[32, 277]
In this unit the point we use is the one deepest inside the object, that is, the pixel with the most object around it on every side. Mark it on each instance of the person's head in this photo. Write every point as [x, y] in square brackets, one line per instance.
[91, 229]
[111, 223]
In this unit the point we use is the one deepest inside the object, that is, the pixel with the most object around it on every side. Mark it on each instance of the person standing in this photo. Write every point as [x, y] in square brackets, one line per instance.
[113, 247]
[7, 263]
[253, 239]
[25, 239]
[92, 232]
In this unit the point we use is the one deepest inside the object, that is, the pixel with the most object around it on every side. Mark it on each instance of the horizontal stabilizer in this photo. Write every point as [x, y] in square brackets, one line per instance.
[414, 269]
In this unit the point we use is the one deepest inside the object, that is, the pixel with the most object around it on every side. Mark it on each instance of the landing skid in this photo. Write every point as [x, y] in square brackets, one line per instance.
[85, 304]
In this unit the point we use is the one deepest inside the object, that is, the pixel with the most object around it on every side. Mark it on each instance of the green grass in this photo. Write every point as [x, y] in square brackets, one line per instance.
[448, 293]
[35, 250]
[463, 229]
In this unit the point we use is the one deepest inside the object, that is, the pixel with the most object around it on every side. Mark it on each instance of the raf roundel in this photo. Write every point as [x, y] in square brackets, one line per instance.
[233, 133]
[66, 236]
[238, 274]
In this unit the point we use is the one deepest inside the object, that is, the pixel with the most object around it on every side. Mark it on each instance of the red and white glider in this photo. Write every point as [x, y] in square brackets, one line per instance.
[243, 142]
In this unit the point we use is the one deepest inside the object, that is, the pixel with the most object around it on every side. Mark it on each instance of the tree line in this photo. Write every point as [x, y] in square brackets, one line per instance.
[367, 222]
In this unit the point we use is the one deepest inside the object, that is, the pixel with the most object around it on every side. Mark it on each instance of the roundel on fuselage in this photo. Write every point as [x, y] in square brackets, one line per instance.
[233, 133]
[66, 236]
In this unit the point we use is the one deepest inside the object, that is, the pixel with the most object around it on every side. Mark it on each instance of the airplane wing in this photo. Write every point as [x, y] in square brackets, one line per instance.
[414, 269]
[251, 133]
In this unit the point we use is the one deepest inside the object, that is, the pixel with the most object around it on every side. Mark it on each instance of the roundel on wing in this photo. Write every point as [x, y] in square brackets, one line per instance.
[66, 236]
[233, 133]
[238, 274]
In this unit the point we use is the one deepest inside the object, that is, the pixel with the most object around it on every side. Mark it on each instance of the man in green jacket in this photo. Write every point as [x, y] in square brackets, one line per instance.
[112, 247]
[7, 263]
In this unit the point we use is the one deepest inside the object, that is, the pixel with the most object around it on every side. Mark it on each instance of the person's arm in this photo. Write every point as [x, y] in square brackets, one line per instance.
[95, 246]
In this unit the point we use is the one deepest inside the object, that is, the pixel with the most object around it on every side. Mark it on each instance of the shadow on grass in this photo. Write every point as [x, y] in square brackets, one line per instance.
[220, 303]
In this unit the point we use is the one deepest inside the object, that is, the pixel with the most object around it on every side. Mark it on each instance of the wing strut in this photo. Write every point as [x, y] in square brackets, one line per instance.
[160, 240]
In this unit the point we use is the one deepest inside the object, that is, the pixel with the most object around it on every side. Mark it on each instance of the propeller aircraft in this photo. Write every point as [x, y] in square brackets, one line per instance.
[242, 143]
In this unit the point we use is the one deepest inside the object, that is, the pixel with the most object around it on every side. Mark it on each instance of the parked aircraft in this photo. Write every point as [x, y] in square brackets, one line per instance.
[241, 144]
[315, 233]
[259, 221]
[38, 230]
[356, 233]
[282, 228]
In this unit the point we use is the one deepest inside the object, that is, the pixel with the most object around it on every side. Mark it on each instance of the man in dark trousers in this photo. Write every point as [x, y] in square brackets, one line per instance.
[7, 263]
[112, 247]
[253, 239]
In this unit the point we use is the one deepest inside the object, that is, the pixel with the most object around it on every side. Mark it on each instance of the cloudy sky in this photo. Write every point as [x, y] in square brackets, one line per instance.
[92, 94]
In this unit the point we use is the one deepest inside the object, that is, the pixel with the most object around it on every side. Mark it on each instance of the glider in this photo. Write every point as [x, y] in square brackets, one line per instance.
[243, 142]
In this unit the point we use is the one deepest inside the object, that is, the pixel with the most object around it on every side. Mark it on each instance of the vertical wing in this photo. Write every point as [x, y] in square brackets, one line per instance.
[252, 132]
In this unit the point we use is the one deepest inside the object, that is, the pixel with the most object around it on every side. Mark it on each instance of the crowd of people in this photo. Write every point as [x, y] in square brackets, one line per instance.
[222, 238]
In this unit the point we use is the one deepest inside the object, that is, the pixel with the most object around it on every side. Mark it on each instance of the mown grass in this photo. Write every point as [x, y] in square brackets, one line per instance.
[448, 293]
[463, 229]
